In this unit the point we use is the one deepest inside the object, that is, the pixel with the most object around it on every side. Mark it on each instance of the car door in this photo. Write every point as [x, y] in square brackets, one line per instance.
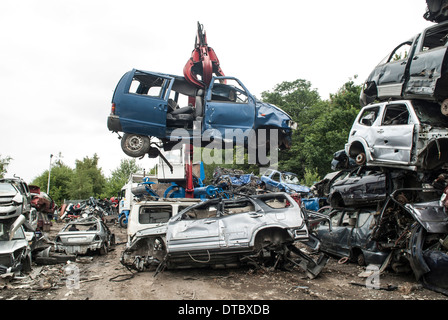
[393, 139]
[426, 64]
[196, 229]
[391, 74]
[141, 102]
[228, 106]
[335, 240]
[273, 183]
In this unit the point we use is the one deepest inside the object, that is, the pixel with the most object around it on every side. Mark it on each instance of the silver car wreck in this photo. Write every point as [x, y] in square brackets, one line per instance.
[15, 251]
[258, 230]
[84, 235]
[405, 134]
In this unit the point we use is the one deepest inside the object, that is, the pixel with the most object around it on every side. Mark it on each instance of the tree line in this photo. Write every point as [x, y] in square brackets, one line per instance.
[323, 128]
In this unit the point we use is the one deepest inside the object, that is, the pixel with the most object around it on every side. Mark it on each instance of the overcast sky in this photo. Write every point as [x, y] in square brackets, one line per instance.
[61, 60]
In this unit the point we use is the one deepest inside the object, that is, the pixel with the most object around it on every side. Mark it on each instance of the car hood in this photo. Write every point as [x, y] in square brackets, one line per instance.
[268, 114]
[11, 246]
[431, 215]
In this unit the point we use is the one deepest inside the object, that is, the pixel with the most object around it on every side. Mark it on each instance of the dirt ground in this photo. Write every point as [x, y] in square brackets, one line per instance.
[104, 278]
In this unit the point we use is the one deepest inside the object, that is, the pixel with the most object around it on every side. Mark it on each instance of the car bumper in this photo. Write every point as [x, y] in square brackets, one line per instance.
[113, 123]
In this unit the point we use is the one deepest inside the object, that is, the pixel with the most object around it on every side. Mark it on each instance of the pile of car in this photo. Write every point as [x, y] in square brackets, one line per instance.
[387, 204]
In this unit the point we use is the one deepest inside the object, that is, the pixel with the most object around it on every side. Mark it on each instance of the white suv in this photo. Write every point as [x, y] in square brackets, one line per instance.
[410, 134]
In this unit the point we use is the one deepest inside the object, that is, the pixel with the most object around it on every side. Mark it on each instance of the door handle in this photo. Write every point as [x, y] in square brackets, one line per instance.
[255, 215]
[380, 131]
[209, 221]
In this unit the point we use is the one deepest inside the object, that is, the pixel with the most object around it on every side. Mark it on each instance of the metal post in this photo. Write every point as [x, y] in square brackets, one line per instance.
[49, 172]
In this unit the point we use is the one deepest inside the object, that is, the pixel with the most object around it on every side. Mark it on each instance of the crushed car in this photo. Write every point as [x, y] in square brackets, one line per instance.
[276, 181]
[83, 236]
[362, 186]
[409, 134]
[415, 69]
[11, 201]
[347, 235]
[15, 250]
[413, 226]
[261, 230]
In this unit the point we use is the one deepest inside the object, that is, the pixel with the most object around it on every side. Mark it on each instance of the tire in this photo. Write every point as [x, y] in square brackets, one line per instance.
[122, 222]
[361, 260]
[135, 145]
[104, 249]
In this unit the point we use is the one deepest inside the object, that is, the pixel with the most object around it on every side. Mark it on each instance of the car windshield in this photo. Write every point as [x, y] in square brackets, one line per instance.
[429, 113]
[290, 178]
[7, 187]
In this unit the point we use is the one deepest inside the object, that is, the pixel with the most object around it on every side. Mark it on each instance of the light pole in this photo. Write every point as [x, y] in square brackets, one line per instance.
[49, 172]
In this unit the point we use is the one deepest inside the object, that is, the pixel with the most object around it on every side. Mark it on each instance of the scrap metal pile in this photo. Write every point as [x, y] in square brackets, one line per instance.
[390, 208]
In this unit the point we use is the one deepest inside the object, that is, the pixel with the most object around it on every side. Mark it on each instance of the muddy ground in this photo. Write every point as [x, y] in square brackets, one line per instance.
[104, 278]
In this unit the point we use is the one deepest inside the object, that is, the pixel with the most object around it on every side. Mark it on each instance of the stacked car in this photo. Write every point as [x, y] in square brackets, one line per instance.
[390, 209]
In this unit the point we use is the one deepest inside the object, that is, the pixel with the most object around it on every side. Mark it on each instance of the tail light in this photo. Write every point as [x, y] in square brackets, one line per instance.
[112, 111]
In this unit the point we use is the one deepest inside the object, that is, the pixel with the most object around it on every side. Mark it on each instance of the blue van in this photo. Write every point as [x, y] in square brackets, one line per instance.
[148, 105]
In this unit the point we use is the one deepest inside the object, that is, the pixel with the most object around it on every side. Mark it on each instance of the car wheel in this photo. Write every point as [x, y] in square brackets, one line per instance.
[361, 260]
[360, 159]
[26, 266]
[103, 249]
[135, 145]
[123, 222]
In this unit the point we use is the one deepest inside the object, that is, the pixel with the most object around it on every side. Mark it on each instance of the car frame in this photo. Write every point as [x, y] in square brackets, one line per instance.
[146, 105]
[415, 69]
[409, 134]
[225, 232]
[95, 236]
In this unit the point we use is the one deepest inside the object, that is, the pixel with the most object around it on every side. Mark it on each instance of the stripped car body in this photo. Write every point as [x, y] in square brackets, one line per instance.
[227, 232]
[147, 105]
[84, 235]
[409, 134]
[415, 69]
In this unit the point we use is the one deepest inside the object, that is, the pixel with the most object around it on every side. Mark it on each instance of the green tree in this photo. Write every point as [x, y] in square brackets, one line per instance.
[88, 180]
[4, 162]
[60, 180]
[119, 177]
[323, 125]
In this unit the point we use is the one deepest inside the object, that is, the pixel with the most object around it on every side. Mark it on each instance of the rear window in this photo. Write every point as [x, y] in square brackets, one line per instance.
[153, 214]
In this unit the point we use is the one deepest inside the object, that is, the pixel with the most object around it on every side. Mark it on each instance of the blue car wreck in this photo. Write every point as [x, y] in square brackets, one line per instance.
[283, 181]
[148, 105]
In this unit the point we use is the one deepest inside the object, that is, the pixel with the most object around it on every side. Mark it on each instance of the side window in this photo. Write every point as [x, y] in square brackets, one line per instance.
[276, 177]
[435, 37]
[335, 219]
[149, 85]
[362, 218]
[396, 114]
[369, 116]
[229, 92]
[154, 214]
